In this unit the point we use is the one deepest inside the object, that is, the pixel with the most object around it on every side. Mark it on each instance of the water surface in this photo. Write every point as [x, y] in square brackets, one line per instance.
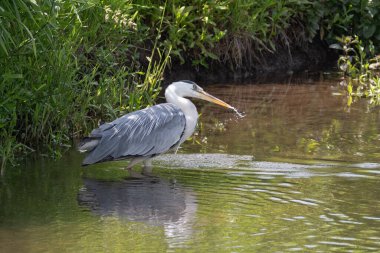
[301, 172]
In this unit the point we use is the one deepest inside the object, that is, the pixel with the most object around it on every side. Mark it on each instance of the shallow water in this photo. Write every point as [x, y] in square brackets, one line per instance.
[300, 172]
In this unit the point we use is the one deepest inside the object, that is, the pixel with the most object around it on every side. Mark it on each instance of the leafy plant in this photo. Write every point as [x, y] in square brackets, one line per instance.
[362, 78]
[61, 73]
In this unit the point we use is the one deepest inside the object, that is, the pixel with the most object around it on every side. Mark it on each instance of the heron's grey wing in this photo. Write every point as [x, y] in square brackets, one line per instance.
[142, 133]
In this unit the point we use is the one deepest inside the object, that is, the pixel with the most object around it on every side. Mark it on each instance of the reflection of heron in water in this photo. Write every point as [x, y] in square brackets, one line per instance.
[154, 201]
[144, 134]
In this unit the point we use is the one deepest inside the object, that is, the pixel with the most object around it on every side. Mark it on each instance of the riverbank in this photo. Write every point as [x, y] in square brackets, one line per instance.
[316, 56]
[65, 66]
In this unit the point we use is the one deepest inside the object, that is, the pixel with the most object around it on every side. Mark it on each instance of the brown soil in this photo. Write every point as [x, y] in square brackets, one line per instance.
[315, 56]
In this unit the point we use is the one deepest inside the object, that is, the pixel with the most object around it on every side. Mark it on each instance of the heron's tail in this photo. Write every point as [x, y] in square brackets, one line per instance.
[87, 144]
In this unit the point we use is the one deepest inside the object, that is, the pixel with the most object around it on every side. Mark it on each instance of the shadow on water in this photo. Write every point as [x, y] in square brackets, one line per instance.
[152, 200]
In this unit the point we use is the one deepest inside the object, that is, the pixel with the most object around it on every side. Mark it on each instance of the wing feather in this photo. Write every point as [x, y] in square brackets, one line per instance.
[146, 132]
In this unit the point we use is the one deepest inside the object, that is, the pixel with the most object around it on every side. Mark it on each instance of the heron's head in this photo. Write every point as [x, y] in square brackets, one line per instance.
[190, 89]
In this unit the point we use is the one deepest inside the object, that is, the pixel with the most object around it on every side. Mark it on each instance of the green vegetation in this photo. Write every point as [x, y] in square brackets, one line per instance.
[359, 41]
[361, 70]
[65, 65]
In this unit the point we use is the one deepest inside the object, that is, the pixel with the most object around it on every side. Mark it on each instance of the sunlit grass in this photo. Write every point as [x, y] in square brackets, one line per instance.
[66, 67]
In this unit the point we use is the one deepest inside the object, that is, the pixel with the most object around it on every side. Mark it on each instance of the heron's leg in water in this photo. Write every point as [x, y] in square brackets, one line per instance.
[147, 169]
[132, 163]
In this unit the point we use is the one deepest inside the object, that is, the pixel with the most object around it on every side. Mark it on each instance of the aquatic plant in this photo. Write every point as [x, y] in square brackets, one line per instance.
[360, 68]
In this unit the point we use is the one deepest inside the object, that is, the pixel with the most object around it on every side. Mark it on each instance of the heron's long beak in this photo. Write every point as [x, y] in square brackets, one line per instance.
[205, 96]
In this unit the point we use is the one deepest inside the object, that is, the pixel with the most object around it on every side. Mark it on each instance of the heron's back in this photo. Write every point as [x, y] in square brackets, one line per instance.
[146, 132]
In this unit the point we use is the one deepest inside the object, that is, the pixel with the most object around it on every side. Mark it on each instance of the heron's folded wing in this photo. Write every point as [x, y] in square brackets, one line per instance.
[142, 133]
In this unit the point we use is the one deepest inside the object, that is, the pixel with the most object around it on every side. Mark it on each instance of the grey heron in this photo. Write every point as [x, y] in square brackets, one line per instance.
[144, 134]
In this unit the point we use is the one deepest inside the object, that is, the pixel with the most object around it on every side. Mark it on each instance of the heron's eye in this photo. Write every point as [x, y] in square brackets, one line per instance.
[195, 87]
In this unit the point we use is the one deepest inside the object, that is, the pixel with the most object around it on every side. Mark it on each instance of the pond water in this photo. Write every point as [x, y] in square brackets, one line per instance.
[300, 172]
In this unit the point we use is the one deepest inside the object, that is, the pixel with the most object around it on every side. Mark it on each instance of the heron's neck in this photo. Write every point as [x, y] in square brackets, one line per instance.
[188, 109]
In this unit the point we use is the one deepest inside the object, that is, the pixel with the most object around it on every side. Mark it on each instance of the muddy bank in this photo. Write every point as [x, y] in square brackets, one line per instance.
[285, 61]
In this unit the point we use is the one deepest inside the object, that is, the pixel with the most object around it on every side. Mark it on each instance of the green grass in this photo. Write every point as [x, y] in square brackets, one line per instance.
[66, 65]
